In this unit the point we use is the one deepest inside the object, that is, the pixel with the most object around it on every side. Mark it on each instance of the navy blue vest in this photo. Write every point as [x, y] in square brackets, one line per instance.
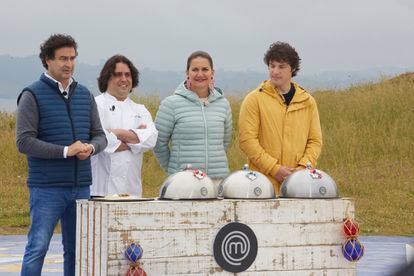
[61, 121]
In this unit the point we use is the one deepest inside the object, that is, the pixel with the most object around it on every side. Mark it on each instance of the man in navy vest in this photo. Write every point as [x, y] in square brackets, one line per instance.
[58, 128]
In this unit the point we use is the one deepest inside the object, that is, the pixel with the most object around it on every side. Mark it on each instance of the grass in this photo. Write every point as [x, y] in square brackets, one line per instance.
[368, 149]
[14, 198]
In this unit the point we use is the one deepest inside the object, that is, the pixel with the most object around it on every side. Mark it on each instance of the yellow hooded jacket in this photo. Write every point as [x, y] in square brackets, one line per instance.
[272, 134]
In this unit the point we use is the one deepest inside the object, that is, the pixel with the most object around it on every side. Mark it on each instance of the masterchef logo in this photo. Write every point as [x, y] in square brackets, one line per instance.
[235, 247]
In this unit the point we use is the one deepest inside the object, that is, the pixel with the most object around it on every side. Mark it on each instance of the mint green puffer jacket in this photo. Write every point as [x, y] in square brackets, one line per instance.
[190, 132]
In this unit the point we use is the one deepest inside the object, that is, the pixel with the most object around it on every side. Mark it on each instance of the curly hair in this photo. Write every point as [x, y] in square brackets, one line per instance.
[197, 54]
[283, 52]
[54, 42]
[109, 69]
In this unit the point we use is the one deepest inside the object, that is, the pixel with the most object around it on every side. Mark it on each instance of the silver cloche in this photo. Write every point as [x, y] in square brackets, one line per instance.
[246, 184]
[188, 184]
[309, 183]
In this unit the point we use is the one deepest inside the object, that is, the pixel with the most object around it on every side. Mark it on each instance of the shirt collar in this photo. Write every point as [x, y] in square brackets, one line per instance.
[61, 88]
[112, 98]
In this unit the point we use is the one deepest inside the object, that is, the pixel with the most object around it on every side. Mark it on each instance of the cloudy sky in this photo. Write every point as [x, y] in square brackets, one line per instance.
[160, 34]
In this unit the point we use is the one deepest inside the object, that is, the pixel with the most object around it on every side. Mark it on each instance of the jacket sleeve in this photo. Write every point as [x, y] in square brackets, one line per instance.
[98, 137]
[164, 122]
[228, 128]
[147, 136]
[249, 123]
[113, 142]
[27, 124]
[314, 143]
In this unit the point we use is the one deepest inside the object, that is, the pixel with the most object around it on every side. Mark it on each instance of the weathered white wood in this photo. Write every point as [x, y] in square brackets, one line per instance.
[294, 236]
[95, 240]
[91, 257]
[300, 258]
[268, 259]
[103, 242]
[79, 239]
[92, 222]
[197, 242]
[284, 210]
[168, 214]
[317, 272]
[330, 272]
[82, 238]
[166, 243]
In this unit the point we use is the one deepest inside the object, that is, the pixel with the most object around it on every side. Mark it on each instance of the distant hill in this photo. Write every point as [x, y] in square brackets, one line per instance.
[367, 149]
[17, 72]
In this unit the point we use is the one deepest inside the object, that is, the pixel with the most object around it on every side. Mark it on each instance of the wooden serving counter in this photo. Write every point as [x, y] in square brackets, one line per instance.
[294, 236]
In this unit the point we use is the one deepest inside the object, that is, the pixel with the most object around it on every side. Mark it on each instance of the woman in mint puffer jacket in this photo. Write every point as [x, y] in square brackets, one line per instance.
[195, 124]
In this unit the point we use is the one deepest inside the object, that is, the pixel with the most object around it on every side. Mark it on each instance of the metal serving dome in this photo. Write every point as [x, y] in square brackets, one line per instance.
[246, 184]
[188, 184]
[309, 183]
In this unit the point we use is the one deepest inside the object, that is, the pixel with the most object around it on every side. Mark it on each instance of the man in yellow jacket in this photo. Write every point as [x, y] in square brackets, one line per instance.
[279, 127]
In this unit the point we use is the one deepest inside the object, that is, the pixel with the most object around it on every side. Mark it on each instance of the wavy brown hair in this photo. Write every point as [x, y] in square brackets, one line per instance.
[109, 69]
[54, 42]
[199, 54]
[283, 52]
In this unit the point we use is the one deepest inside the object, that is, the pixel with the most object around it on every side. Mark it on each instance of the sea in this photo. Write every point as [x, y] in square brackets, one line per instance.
[8, 105]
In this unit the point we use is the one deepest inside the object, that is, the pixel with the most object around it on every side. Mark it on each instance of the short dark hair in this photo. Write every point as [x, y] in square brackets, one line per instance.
[109, 69]
[197, 54]
[283, 52]
[54, 42]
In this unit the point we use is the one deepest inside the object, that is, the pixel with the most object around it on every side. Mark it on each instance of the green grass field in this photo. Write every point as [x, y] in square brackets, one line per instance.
[368, 135]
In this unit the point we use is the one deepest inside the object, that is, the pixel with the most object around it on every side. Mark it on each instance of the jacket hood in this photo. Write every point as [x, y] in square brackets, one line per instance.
[300, 99]
[182, 90]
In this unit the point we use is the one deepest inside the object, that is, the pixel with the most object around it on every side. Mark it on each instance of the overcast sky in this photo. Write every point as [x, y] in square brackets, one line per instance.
[160, 34]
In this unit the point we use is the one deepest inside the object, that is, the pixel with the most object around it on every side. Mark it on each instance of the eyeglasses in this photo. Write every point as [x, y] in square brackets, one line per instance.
[120, 74]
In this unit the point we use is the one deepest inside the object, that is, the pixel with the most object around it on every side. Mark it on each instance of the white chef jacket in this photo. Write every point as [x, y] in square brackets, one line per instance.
[120, 172]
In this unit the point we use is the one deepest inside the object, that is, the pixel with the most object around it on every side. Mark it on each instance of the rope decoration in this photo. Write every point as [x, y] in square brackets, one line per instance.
[134, 253]
[352, 248]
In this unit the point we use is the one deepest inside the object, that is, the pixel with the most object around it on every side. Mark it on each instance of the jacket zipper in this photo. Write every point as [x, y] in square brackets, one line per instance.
[67, 101]
[283, 130]
[205, 138]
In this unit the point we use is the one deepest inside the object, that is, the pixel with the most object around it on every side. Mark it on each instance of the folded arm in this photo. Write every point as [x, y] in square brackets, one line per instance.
[145, 132]
[164, 123]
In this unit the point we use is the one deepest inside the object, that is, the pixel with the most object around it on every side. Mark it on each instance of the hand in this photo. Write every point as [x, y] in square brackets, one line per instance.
[300, 167]
[114, 131]
[75, 148]
[123, 146]
[142, 126]
[282, 173]
[87, 151]
[125, 135]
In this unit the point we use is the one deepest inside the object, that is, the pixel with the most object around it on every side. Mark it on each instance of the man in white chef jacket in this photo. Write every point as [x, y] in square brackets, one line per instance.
[129, 130]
